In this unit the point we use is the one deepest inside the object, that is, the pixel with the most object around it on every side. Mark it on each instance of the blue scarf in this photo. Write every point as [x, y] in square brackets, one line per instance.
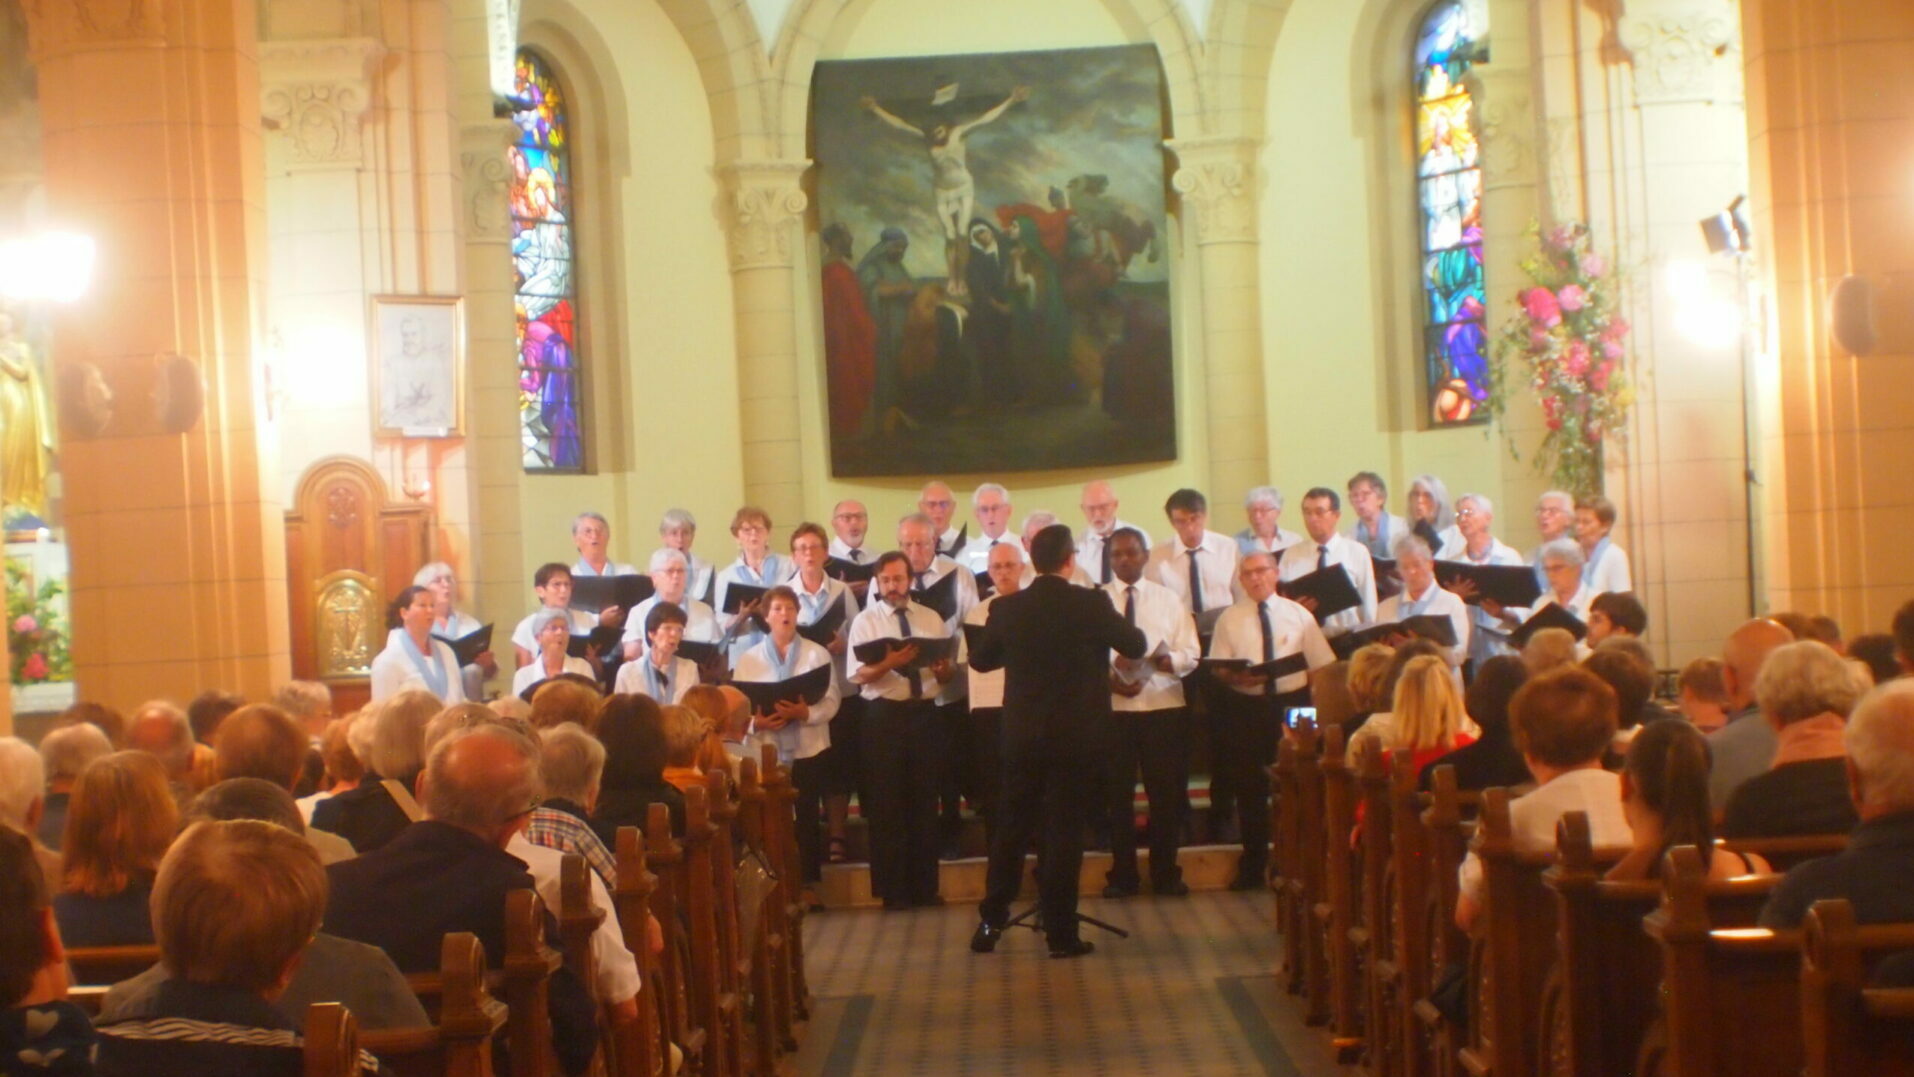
[428, 666]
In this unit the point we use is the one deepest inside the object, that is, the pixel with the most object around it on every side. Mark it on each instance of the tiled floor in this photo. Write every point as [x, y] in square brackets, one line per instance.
[1191, 992]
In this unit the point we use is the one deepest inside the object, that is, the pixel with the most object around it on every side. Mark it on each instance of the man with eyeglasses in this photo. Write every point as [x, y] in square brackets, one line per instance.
[937, 502]
[916, 537]
[849, 524]
[1475, 522]
[991, 506]
[1322, 510]
[1100, 518]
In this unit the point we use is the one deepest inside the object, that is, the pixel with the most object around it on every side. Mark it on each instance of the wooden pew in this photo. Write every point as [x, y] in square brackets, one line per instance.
[529, 965]
[459, 1043]
[1334, 912]
[1311, 885]
[1784, 853]
[1403, 962]
[1600, 1007]
[676, 997]
[780, 835]
[1373, 934]
[1846, 1026]
[1435, 943]
[761, 926]
[733, 966]
[637, 1046]
[710, 1007]
[109, 965]
[331, 1041]
[1285, 880]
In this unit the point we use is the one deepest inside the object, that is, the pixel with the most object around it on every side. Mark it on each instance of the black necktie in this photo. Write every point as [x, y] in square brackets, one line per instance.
[857, 555]
[1269, 644]
[903, 630]
[1106, 562]
[1196, 582]
[1322, 558]
[1129, 604]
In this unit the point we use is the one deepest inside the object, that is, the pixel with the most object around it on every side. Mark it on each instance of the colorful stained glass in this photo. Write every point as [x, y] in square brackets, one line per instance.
[1449, 196]
[550, 398]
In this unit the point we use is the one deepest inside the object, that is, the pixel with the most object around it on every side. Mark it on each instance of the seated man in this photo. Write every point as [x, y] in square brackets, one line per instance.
[261, 741]
[451, 872]
[1615, 613]
[1806, 692]
[1563, 722]
[234, 908]
[1873, 871]
[40, 1031]
[1703, 698]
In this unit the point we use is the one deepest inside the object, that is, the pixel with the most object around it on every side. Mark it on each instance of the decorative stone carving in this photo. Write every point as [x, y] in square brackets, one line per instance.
[1680, 48]
[1504, 124]
[766, 201]
[315, 93]
[1217, 178]
[62, 26]
[501, 46]
[486, 193]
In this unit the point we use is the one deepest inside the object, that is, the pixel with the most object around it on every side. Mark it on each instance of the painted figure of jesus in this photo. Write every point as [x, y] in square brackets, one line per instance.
[950, 178]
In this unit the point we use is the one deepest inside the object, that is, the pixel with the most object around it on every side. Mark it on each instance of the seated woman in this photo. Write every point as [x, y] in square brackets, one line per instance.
[1493, 759]
[235, 906]
[1665, 796]
[413, 658]
[1368, 677]
[118, 825]
[374, 812]
[685, 732]
[1806, 692]
[553, 631]
[1428, 712]
[1549, 650]
[631, 727]
[40, 1031]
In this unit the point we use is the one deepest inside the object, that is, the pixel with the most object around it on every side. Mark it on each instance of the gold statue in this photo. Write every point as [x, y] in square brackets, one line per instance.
[26, 437]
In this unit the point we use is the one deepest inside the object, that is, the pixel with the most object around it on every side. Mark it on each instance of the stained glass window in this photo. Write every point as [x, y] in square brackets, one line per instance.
[550, 396]
[1449, 196]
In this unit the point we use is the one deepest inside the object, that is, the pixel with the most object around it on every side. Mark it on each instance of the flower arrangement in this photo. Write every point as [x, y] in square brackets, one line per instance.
[1568, 345]
[36, 628]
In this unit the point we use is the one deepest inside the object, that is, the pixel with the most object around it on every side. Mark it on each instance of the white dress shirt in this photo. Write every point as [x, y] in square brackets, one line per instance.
[1488, 635]
[1577, 604]
[534, 673]
[813, 605]
[458, 626]
[701, 624]
[958, 687]
[612, 568]
[759, 665]
[396, 669]
[775, 570]
[879, 621]
[1301, 560]
[953, 540]
[617, 970]
[1532, 818]
[975, 555]
[1164, 620]
[700, 577]
[986, 689]
[1607, 569]
[1090, 550]
[1248, 543]
[1434, 602]
[1293, 630]
[582, 624]
[636, 678]
[1389, 528]
[1216, 558]
[843, 552]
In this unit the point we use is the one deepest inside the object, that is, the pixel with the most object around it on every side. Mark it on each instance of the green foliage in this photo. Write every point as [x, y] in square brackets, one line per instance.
[36, 628]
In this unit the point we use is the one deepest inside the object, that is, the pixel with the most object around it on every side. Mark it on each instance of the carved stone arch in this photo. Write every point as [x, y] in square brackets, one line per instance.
[1240, 43]
[724, 40]
[808, 24]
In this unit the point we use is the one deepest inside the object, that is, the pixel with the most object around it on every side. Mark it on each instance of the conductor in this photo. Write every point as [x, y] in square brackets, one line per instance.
[1053, 642]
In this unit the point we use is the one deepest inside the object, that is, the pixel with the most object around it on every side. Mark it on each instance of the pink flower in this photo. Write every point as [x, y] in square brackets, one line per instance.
[1539, 338]
[1562, 238]
[35, 667]
[1616, 330]
[1598, 378]
[1611, 350]
[1593, 433]
[24, 624]
[1577, 360]
[1552, 412]
[1573, 298]
[1541, 306]
[1594, 265]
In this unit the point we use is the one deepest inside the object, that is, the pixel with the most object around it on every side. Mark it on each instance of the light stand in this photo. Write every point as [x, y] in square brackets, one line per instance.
[1730, 233]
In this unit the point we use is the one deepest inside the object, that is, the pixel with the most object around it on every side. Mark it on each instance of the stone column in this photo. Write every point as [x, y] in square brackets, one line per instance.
[1831, 124]
[766, 205]
[152, 138]
[1217, 180]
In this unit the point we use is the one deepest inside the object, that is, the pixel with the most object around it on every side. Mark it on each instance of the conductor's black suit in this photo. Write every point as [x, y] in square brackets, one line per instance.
[1053, 642]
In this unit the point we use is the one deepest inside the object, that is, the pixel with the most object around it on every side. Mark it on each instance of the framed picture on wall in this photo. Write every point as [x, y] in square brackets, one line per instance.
[418, 353]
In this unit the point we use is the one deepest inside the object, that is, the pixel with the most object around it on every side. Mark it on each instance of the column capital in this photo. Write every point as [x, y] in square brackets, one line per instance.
[58, 27]
[1217, 174]
[767, 198]
[1503, 120]
[1681, 49]
[314, 93]
[485, 192]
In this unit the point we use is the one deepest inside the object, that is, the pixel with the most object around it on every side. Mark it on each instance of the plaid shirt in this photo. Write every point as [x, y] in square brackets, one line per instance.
[560, 824]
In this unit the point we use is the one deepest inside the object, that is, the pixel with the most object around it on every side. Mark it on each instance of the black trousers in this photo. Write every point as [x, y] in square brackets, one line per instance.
[1157, 743]
[1046, 793]
[810, 776]
[953, 721]
[844, 776]
[1250, 726]
[984, 768]
[901, 741]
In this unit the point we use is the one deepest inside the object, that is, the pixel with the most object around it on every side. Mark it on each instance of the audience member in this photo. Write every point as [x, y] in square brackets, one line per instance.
[1745, 746]
[1633, 682]
[262, 741]
[65, 751]
[1369, 690]
[1329, 693]
[1381, 723]
[1665, 796]
[564, 700]
[1805, 692]
[726, 714]
[1615, 613]
[1875, 651]
[1824, 629]
[1493, 759]
[40, 1031]
[333, 969]
[1703, 697]
[1426, 713]
[234, 908]
[1873, 871]
[207, 710]
[1549, 649]
[310, 704]
[1799, 625]
[23, 797]
[631, 727]
[451, 872]
[105, 718]
[162, 731]
[118, 825]
[382, 804]
[685, 733]
[1903, 629]
[571, 763]
[1563, 722]
[339, 751]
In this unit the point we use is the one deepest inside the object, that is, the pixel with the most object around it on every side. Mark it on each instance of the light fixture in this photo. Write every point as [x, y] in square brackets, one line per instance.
[50, 266]
[1702, 317]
